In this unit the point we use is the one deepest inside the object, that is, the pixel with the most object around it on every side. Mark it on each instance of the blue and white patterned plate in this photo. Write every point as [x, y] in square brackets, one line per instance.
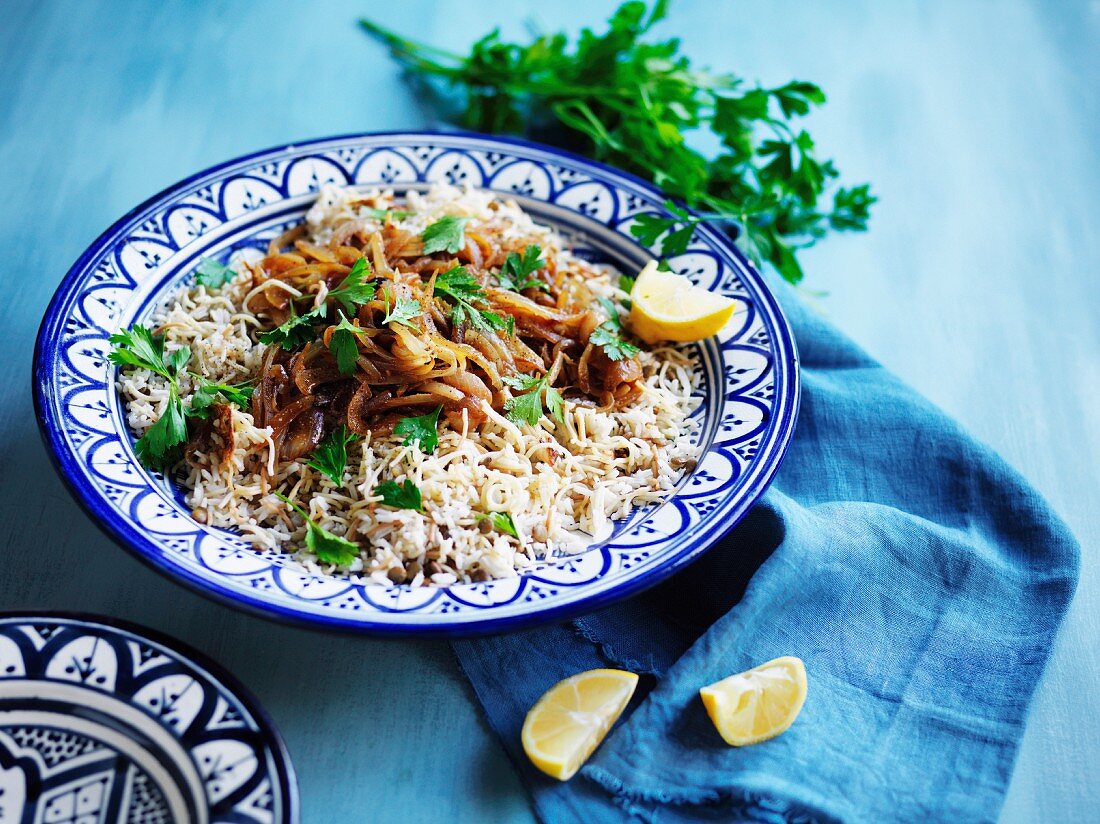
[115, 724]
[749, 399]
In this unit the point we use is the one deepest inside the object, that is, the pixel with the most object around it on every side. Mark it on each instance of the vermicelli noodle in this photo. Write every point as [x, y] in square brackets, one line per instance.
[622, 437]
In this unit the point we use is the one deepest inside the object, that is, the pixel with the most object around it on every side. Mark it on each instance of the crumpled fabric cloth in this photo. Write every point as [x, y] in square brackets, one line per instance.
[920, 579]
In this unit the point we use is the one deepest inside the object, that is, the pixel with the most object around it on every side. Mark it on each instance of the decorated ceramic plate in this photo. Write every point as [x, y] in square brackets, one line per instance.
[114, 723]
[747, 400]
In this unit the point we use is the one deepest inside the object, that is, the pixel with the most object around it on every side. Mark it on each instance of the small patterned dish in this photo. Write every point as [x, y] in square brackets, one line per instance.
[115, 724]
[748, 402]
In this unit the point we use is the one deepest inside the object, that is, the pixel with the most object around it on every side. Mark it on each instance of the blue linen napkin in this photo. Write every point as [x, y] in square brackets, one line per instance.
[918, 576]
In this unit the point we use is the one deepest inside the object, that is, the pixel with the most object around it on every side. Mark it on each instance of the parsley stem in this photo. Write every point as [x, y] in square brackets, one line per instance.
[631, 100]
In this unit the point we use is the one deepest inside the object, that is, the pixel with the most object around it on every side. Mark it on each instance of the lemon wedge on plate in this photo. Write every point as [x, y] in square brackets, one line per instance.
[667, 306]
[572, 718]
[757, 704]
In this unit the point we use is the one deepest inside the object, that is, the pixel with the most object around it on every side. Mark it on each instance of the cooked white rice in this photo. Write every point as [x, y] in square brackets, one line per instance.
[563, 483]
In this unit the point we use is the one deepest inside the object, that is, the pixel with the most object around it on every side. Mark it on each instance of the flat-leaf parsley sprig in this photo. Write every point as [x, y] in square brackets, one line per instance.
[609, 335]
[160, 446]
[528, 407]
[329, 548]
[631, 100]
[331, 455]
[352, 292]
[468, 301]
[516, 272]
[138, 346]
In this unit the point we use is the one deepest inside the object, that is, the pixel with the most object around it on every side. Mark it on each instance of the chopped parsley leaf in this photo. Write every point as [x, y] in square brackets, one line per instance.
[343, 346]
[213, 275]
[612, 313]
[448, 234]
[354, 290]
[206, 392]
[608, 335]
[527, 407]
[421, 430]
[297, 331]
[329, 548]
[159, 447]
[516, 272]
[400, 496]
[403, 311]
[331, 455]
[468, 299]
[500, 521]
[384, 214]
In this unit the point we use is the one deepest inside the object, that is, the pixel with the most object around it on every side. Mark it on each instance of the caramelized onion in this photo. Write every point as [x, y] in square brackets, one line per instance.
[470, 385]
[221, 420]
[285, 416]
[436, 357]
[303, 435]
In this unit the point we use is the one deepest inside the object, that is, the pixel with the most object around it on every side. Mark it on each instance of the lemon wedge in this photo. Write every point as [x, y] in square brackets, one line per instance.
[757, 704]
[572, 718]
[667, 306]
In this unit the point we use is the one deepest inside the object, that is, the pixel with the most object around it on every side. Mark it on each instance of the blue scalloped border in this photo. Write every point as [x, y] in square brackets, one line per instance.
[188, 658]
[774, 439]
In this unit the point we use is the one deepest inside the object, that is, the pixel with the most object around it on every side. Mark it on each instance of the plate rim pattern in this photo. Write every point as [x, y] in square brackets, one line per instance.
[462, 616]
[185, 657]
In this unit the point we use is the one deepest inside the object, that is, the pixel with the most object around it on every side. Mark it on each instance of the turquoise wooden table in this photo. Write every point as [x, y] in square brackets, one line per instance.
[979, 125]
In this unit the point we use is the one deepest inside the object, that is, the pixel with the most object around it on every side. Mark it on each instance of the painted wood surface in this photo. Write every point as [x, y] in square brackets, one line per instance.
[979, 283]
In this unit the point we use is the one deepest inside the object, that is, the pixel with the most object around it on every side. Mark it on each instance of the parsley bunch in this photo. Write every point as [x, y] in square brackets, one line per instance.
[630, 101]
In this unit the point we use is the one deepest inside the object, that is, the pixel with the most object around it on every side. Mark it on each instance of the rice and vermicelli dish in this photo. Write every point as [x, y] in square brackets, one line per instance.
[428, 390]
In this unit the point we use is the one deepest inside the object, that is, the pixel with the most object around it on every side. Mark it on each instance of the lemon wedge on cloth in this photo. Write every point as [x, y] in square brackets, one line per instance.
[572, 718]
[667, 306]
[757, 704]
